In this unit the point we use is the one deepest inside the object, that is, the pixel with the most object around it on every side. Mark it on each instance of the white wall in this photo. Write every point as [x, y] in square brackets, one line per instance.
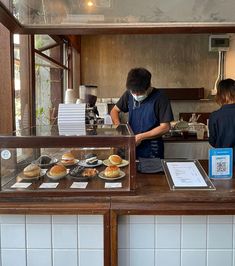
[230, 59]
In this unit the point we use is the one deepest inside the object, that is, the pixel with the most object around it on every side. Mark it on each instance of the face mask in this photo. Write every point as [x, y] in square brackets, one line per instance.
[140, 98]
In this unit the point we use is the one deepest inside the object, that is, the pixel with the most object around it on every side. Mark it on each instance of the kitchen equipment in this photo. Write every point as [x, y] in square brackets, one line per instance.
[88, 95]
[194, 118]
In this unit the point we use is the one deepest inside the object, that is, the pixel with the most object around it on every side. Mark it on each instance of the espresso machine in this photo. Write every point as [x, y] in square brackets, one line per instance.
[88, 95]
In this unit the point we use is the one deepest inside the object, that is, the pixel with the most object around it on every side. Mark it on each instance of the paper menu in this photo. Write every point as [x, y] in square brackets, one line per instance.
[185, 174]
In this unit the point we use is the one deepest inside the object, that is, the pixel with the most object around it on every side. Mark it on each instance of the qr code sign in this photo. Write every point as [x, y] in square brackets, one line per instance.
[221, 167]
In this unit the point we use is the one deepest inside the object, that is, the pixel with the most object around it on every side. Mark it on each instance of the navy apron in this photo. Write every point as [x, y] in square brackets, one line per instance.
[142, 118]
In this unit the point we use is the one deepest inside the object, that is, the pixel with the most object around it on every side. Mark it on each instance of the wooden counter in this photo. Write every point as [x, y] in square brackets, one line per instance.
[152, 196]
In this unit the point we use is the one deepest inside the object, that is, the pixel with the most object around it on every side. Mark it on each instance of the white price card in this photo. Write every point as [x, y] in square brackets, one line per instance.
[113, 185]
[79, 185]
[21, 185]
[49, 185]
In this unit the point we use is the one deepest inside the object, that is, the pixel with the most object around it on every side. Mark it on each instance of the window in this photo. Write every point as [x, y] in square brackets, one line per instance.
[50, 73]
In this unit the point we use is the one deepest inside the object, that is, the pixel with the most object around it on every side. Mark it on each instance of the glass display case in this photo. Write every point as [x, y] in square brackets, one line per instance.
[68, 160]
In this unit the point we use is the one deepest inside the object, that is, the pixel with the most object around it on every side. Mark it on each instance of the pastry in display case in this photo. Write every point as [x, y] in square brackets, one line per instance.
[41, 159]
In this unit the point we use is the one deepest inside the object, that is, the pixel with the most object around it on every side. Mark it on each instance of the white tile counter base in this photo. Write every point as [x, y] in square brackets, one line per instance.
[176, 240]
[51, 240]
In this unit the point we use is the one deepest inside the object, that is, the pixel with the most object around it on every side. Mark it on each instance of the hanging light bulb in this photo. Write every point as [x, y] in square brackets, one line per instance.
[90, 3]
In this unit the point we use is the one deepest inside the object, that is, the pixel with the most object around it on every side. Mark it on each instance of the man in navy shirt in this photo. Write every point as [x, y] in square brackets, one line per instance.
[222, 121]
[149, 113]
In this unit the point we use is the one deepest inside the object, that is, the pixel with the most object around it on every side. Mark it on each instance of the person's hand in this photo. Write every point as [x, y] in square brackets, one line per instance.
[138, 139]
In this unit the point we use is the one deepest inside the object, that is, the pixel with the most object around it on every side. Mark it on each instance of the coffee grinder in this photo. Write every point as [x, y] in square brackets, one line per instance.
[88, 95]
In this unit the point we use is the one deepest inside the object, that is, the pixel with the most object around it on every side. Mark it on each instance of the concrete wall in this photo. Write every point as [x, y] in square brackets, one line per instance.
[174, 60]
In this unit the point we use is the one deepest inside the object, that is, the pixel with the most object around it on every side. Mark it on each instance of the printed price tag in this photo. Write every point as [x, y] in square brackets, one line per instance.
[21, 185]
[79, 185]
[113, 185]
[49, 185]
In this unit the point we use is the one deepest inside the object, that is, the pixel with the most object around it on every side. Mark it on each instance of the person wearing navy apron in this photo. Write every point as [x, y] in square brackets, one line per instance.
[149, 111]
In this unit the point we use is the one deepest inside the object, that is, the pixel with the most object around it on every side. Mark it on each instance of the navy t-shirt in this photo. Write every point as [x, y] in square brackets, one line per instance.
[222, 127]
[162, 106]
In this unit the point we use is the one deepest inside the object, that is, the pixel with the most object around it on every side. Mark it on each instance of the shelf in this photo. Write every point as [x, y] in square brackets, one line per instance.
[184, 93]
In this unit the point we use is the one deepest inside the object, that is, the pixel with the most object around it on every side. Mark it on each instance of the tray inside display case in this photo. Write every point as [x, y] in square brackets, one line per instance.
[40, 159]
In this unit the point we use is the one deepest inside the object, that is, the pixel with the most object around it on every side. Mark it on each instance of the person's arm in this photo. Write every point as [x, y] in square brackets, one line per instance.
[153, 133]
[120, 106]
[115, 115]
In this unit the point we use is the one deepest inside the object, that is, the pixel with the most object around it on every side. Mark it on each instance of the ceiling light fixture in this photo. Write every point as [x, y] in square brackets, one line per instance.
[90, 3]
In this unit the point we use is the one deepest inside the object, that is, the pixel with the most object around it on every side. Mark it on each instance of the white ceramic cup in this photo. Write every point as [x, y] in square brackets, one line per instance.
[69, 96]
[200, 130]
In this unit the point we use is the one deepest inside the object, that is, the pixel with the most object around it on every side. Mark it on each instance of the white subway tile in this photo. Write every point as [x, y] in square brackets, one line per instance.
[13, 257]
[194, 219]
[167, 236]
[91, 257]
[64, 219]
[13, 236]
[90, 236]
[220, 236]
[193, 258]
[220, 258]
[63, 257]
[64, 236]
[142, 219]
[12, 219]
[123, 257]
[38, 235]
[167, 257]
[193, 236]
[38, 219]
[167, 219]
[123, 236]
[142, 236]
[124, 219]
[140, 257]
[90, 219]
[220, 219]
[39, 257]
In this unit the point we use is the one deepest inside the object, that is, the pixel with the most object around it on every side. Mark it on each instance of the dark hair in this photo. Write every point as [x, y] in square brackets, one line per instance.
[226, 92]
[138, 80]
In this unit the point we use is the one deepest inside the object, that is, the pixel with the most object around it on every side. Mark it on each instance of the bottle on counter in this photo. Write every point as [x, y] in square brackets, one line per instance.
[107, 119]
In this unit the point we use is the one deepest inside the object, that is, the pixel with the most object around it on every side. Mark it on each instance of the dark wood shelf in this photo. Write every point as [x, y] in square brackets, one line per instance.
[184, 93]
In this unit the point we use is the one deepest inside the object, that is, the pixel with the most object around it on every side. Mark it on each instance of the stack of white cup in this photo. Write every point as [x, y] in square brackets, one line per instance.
[69, 96]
